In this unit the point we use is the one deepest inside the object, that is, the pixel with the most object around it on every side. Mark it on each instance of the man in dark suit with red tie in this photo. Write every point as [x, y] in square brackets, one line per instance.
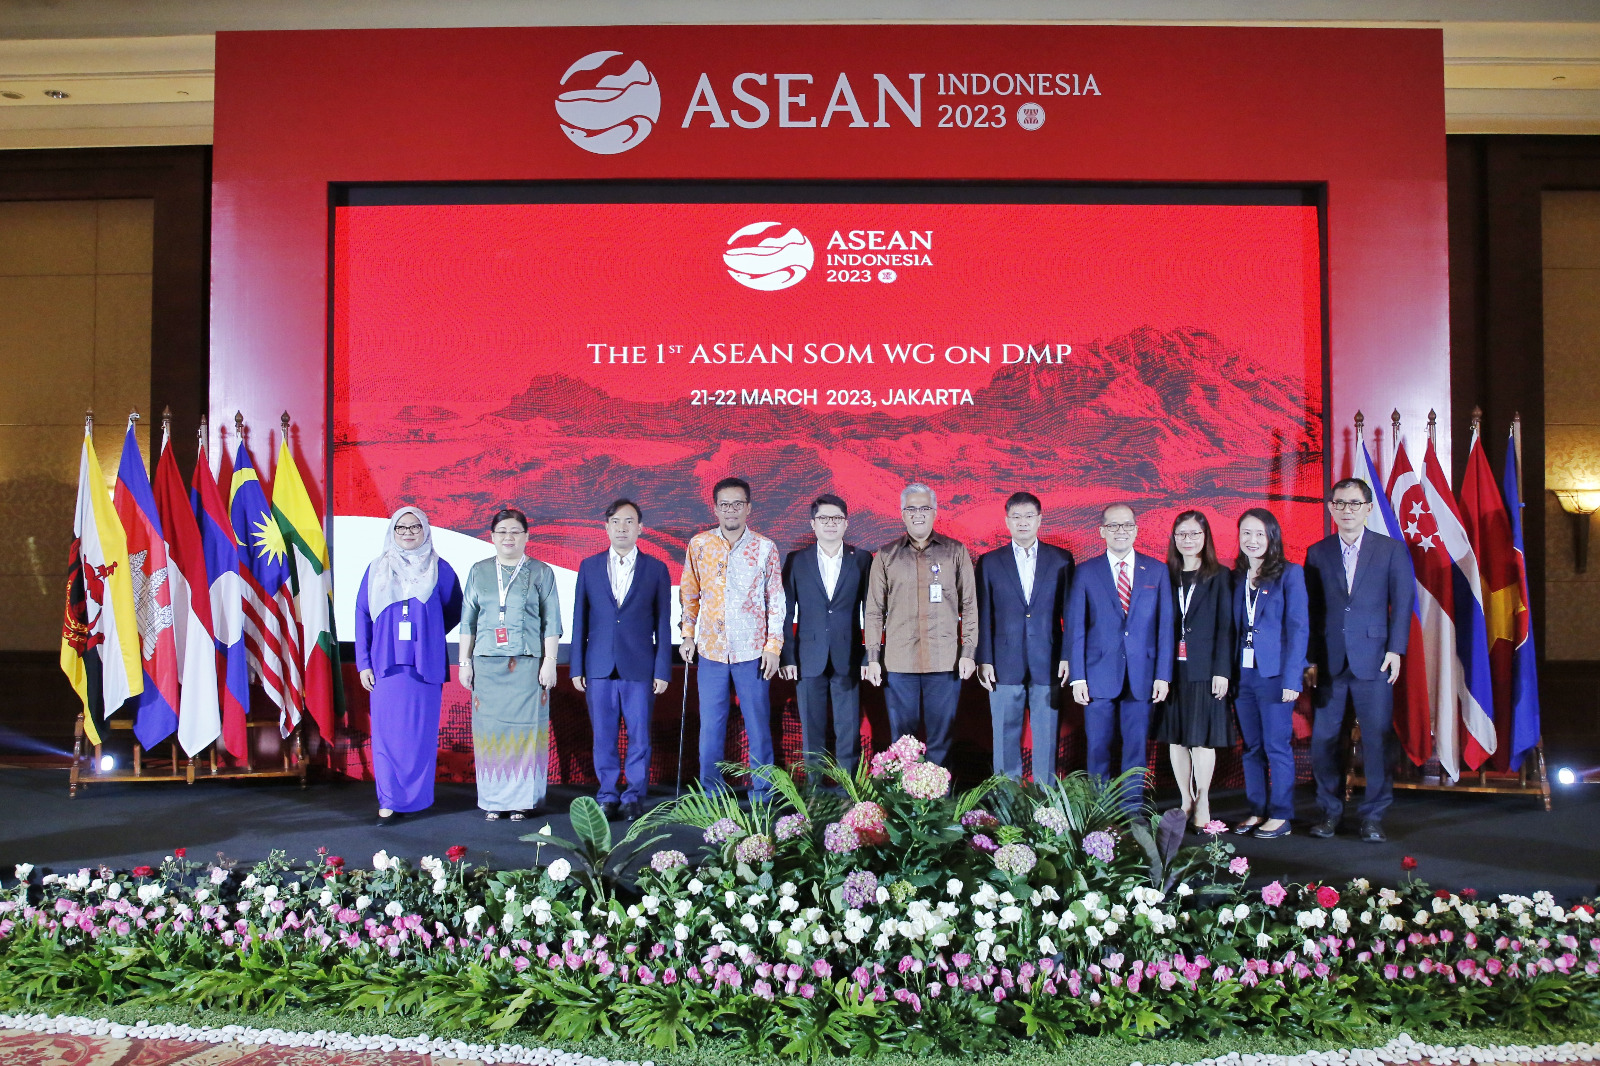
[622, 653]
[1022, 601]
[824, 586]
[1119, 646]
[1361, 592]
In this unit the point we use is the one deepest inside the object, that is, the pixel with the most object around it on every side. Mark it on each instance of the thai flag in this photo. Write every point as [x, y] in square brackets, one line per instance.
[227, 603]
[1413, 720]
[156, 716]
[271, 628]
[199, 715]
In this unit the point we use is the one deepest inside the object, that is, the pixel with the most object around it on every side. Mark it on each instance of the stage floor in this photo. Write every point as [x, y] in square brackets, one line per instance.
[1491, 843]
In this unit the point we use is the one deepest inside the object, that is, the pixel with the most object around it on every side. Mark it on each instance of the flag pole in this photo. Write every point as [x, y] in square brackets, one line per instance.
[1394, 442]
[1477, 426]
[1433, 426]
[166, 426]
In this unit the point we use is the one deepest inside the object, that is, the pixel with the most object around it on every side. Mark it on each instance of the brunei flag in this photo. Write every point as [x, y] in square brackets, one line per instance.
[312, 581]
[100, 652]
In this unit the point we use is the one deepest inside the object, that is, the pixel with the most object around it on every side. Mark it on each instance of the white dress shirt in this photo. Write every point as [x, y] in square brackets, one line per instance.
[1027, 562]
[830, 565]
[1349, 555]
[620, 570]
[1115, 561]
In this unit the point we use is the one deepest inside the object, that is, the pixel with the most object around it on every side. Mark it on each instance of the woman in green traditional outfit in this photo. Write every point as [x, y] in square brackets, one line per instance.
[510, 631]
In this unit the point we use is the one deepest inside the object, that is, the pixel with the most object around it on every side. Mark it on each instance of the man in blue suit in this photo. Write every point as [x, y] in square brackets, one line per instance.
[622, 652]
[1361, 596]
[825, 586]
[1022, 604]
[1119, 645]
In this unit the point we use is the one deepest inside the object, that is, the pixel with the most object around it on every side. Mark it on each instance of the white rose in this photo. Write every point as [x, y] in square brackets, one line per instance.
[1263, 940]
[1241, 912]
[203, 894]
[953, 887]
[322, 900]
[269, 893]
[774, 927]
[794, 947]
[472, 917]
[696, 886]
[882, 895]
[363, 902]
[24, 870]
[1047, 946]
[394, 910]
[113, 891]
[748, 920]
[148, 893]
[559, 870]
[250, 882]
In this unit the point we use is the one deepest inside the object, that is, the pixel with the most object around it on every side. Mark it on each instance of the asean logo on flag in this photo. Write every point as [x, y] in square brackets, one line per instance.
[764, 256]
[608, 113]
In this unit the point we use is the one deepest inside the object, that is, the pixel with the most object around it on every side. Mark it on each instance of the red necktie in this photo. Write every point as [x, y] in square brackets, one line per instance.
[1124, 587]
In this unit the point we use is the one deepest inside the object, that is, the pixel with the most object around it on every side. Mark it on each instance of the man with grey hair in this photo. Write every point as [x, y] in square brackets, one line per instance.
[921, 623]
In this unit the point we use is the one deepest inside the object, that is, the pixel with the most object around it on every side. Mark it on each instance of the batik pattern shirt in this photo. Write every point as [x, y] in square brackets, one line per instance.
[732, 597]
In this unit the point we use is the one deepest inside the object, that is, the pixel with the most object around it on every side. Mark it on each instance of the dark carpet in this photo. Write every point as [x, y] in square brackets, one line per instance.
[1491, 843]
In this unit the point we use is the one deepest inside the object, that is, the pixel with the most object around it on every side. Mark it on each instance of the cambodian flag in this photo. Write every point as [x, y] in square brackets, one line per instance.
[1413, 719]
[199, 716]
[271, 628]
[156, 716]
[227, 604]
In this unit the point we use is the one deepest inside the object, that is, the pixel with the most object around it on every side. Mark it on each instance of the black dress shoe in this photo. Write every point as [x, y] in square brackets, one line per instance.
[1245, 829]
[611, 809]
[1372, 832]
[1273, 834]
[632, 809]
[1324, 829]
[381, 820]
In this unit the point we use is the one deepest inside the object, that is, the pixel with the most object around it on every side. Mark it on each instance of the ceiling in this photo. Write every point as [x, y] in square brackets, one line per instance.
[141, 71]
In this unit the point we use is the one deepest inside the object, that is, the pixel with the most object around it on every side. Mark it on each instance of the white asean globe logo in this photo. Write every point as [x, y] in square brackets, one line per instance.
[768, 263]
[608, 113]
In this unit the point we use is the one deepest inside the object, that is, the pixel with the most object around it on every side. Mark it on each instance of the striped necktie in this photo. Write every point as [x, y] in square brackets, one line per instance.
[1124, 586]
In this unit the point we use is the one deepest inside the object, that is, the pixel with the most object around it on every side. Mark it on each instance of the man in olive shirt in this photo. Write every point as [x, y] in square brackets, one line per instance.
[922, 623]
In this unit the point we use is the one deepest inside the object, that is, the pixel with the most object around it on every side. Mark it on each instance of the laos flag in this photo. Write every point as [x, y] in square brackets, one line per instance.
[156, 714]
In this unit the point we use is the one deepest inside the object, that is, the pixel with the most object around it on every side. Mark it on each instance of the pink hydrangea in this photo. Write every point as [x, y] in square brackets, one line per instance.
[860, 889]
[723, 830]
[791, 826]
[902, 753]
[662, 861]
[978, 818]
[982, 842]
[1274, 894]
[925, 780]
[840, 839]
[755, 848]
[867, 819]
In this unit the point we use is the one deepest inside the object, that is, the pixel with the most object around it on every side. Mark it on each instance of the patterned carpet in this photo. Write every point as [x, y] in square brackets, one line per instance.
[39, 1049]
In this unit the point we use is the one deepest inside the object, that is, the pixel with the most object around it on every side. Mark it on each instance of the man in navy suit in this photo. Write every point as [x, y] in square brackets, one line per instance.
[1119, 645]
[1022, 603]
[825, 585]
[1361, 597]
[622, 652]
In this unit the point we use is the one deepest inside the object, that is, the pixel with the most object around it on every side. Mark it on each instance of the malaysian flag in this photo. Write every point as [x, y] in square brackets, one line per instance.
[271, 630]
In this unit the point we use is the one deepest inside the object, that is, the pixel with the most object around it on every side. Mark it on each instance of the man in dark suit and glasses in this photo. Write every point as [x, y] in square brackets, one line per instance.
[1361, 597]
[825, 585]
[622, 653]
[1120, 646]
[1022, 603]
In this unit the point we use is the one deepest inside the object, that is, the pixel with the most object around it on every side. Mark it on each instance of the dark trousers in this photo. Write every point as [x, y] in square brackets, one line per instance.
[843, 689]
[1374, 704]
[1266, 724]
[927, 702]
[1007, 705]
[1130, 716]
[746, 680]
[611, 699]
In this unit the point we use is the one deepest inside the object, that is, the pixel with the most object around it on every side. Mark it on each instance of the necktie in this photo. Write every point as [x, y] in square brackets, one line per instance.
[1124, 586]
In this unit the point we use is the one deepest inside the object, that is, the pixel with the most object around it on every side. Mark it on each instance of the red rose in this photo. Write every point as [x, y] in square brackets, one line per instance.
[1408, 863]
[335, 862]
[142, 871]
[1327, 897]
[1469, 893]
[456, 852]
[180, 852]
[1441, 893]
[1584, 907]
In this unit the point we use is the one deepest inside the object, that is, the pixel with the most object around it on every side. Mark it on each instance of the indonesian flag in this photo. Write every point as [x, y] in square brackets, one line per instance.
[100, 651]
[312, 581]
[157, 714]
[199, 714]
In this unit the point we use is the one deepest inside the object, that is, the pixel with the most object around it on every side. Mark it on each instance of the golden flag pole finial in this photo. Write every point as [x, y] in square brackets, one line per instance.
[88, 420]
[283, 419]
[1361, 421]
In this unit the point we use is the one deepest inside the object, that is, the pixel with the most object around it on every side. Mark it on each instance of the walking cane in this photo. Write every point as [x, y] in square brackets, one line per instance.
[683, 721]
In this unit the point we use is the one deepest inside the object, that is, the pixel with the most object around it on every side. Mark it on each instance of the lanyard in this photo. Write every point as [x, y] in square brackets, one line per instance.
[505, 586]
[1251, 593]
[1186, 597]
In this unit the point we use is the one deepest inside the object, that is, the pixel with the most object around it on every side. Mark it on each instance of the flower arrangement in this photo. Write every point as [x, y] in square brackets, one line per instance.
[785, 940]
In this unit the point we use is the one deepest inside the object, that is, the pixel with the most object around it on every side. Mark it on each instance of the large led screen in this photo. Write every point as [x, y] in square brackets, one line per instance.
[554, 356]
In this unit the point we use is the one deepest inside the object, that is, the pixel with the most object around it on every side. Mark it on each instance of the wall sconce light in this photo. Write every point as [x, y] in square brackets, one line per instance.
[1572, 472]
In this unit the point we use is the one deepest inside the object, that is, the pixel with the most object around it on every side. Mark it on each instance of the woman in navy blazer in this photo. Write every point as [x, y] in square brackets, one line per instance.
[1272, 618]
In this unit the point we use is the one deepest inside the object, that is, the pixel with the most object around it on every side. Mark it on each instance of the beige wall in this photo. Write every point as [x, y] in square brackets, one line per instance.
[1572, 414]
[74, 335]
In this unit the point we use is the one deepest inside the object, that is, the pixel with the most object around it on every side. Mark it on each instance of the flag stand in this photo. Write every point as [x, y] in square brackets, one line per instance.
[86, 757]
[1430, 777]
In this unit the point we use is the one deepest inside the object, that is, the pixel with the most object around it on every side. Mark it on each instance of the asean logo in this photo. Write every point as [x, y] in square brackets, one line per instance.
[768, 263]
[608, 113]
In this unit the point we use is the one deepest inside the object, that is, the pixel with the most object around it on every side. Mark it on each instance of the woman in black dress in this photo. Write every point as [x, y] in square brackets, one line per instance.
[1194, 720]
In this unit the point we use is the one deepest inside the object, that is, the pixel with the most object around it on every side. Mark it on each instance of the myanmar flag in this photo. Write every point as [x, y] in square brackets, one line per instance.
[313, 591]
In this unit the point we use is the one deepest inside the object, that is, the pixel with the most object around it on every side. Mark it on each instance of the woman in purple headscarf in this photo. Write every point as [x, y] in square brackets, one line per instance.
[409, 599]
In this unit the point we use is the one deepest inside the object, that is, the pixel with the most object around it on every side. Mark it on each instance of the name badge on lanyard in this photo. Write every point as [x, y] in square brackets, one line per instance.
[1183, 614]
[1247, 657]
[502, 636]
[405, 622]
[935, 590]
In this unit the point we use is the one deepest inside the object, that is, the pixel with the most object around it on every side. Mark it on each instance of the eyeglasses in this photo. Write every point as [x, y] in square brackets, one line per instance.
[1347, 505]
[917, 510]
[1020, 517]
[511, 532]
[732, 506]
[408, 529]
[1196, 535]
[829, 519]
[1120, 527]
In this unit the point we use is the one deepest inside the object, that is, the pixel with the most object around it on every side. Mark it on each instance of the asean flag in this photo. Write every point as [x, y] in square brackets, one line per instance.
[1500, 571]
[156, 714]
[227, 603]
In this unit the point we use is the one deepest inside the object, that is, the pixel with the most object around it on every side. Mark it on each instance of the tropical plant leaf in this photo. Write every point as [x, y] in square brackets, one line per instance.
[1169, 834]
[973, 796]
[784, 784]
[589, 823]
